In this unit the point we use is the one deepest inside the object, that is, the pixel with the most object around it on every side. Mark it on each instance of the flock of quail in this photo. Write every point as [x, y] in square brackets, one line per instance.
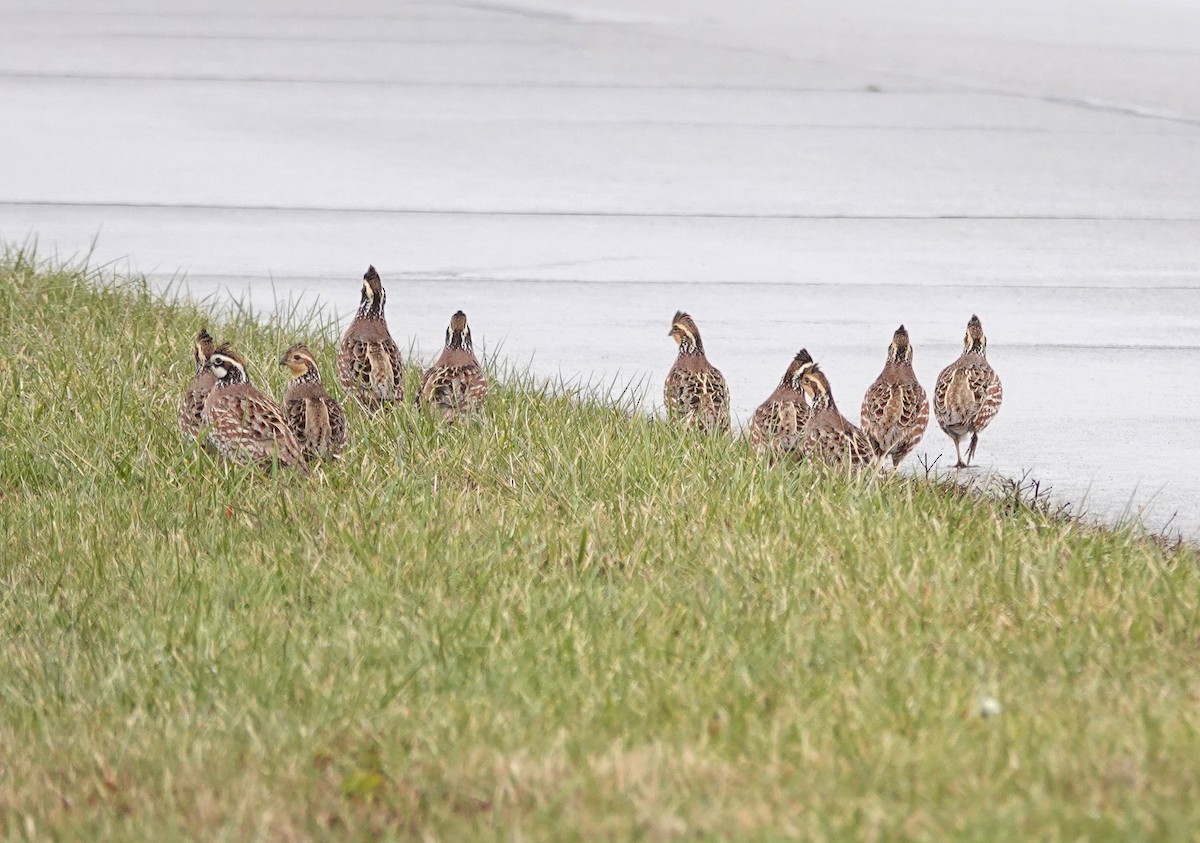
[801, 420]
[245, 425]
[798, 420]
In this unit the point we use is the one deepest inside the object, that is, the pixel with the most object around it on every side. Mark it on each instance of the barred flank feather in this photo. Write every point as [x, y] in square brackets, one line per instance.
[368, 361]
[695, 391]
[191, 407]
[244, 425]
[968, 393]
[832, 439]
[780, 424]
[455, 384]
[315, 418]
[895, 410]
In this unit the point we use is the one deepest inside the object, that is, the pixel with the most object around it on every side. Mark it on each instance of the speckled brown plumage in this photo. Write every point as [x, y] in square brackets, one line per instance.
[192, 405]
[244, 425]
[455, 384]
[368, 361]
[695, 392]
[968, 393]
[780, 423]
[315, 418]
[895, 410]
[831, 438]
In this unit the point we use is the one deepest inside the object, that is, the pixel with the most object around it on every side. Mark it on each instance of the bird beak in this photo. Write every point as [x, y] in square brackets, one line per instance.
[283, 360]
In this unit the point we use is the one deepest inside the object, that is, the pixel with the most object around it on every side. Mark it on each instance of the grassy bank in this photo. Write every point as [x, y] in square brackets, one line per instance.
[562, 623]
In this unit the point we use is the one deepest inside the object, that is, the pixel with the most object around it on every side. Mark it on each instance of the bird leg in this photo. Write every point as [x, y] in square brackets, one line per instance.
[971, 450]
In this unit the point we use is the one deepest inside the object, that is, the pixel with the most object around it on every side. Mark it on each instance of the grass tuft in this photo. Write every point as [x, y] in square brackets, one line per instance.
[562, 621]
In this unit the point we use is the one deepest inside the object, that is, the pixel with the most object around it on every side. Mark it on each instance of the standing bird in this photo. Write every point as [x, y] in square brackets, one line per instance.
[368, 361]
[695, 391]
[245, 425]
[831, 438]
[781, 422]
[316, 420]
[192, 406]
[968, 393]
[455, 383]
[895, 411]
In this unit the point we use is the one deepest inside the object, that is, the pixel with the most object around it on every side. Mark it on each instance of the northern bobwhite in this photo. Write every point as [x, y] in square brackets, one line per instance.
[831, 438]
[895, 410]
[314, 417]
[695, 391]
[368, 361]
[192, 405]
[968, 393]
[244, 425]
[781, 422]
[455, 383]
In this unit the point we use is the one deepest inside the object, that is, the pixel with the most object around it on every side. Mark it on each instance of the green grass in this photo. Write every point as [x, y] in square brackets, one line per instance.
[565, 622]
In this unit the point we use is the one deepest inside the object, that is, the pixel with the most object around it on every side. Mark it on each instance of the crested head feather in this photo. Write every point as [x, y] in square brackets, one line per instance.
[373, 295]
[685, 332]
[975, 340]
[299, 359]
[228, 365]
[800, 364]
[817, 386]
[458, 335]
[300, 350]
[202, 346]
[226, 349]
[900, 351]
